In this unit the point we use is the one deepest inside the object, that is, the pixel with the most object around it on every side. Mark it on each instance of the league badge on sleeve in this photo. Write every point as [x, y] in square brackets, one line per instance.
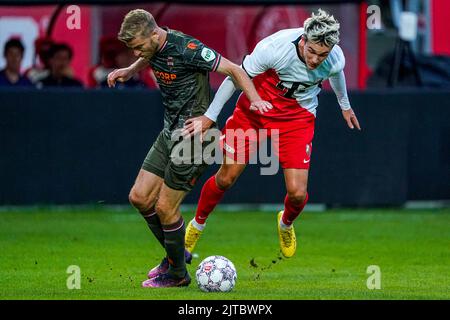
[208, 55]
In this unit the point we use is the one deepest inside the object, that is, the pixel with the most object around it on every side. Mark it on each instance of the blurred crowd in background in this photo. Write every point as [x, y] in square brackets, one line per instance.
[52, 65]
[39, 50]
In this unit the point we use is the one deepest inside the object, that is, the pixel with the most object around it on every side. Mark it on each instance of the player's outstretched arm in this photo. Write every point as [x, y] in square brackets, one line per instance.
[242, 80]
[339, 87]
[227, 88]
[201, 123]
[125, 74]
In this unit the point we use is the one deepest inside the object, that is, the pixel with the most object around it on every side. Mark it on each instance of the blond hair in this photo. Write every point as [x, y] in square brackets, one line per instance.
[322, 28]
[137, 22]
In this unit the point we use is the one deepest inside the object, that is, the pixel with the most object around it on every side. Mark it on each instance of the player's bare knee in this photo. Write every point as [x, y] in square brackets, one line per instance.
[297, 196]
[135, 199]
[140, 201]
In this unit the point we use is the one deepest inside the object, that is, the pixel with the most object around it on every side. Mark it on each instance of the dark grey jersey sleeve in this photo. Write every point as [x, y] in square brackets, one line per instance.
[199, 56]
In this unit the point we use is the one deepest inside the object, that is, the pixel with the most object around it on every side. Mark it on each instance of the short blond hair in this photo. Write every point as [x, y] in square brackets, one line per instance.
[137, 22]
[322, 28]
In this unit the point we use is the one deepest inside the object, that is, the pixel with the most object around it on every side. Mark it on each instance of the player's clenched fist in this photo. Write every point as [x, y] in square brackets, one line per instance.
[121, 75]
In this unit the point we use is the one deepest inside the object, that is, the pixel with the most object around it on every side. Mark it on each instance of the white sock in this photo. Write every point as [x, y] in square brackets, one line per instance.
[197, 225]
[284, 226]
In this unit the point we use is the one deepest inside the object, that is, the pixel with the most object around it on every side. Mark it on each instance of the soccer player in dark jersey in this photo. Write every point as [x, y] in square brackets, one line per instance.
[181, 65]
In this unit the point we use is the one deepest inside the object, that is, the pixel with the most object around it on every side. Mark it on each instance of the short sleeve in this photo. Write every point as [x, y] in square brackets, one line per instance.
[199, 56]
[261, 59]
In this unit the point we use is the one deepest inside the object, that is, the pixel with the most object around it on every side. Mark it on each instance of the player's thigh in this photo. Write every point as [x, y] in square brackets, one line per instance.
[296, 183]
[229, 172]
[240, 136]
[151, 176]
[158, 156]
[168, 204]
[146, 188]
[293, 143]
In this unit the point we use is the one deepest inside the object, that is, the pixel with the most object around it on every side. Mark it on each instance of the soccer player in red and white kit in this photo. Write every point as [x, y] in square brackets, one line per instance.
[287, 68]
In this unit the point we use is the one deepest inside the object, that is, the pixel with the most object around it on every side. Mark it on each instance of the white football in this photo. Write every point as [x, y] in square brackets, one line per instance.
[216, 274]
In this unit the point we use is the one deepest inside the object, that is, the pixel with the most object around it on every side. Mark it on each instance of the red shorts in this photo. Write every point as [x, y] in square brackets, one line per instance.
[291, 140]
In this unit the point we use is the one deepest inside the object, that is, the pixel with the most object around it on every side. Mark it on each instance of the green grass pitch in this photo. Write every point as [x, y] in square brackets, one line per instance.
[114, 250]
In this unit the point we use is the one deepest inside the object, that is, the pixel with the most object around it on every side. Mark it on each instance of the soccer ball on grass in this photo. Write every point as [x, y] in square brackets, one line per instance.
[216, 274]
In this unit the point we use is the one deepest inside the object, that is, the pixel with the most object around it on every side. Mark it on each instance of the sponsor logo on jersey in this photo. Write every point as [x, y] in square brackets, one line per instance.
[288, 89]
[165, 77]
[208, 55]
[192, 45]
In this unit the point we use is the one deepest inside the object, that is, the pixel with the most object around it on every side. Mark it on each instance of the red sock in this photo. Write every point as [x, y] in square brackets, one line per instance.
[209, 198]
[292, 211]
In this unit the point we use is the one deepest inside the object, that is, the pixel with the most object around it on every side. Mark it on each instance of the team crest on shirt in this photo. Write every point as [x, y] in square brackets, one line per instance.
[192, 45]
[208, 55]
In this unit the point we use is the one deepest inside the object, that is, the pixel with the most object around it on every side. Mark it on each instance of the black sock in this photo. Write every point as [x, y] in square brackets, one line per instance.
[154, 224]
[174, 243]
